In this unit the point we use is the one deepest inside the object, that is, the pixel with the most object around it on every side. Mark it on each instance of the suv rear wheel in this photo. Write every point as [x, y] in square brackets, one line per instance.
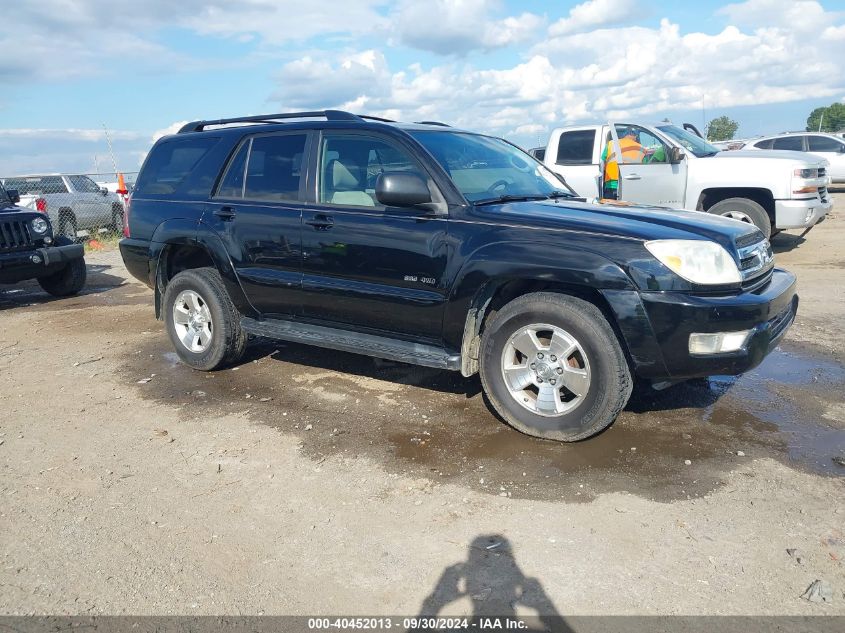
[552, 367]
[203, 324]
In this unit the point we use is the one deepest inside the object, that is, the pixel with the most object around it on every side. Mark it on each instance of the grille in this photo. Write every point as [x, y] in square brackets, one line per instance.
[823, 190]
[755, 260]
[779, 323]
[14, 235]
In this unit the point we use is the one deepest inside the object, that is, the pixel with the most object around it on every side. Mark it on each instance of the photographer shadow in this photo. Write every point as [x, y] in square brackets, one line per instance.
[495, 585]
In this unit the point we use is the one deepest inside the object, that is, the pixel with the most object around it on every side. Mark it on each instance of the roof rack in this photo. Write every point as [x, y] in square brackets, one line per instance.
[330, 115]
[432, 123]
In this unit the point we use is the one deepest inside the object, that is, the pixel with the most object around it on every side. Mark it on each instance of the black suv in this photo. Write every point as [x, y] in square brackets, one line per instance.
[440, 247]
[29, 251]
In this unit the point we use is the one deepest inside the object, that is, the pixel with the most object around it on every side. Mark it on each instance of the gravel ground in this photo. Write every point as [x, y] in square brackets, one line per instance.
[311, 482]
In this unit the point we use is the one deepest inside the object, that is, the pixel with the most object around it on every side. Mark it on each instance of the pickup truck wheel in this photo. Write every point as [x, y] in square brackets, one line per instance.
[66, 282]
[744, 210]
[116, 218]
[553, 368]
[68, 228]
[202, 322]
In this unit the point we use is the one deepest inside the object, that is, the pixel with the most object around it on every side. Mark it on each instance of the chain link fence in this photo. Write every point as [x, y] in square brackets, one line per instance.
[80, 206]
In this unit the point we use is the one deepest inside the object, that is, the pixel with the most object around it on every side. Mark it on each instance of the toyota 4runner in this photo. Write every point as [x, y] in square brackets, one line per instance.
[433, 246]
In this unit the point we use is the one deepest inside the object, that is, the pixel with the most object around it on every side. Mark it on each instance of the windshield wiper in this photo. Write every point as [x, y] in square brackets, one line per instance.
[560, 194]
[510, 198]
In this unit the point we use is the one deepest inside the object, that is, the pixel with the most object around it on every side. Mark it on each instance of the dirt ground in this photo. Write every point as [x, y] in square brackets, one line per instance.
[310, 482]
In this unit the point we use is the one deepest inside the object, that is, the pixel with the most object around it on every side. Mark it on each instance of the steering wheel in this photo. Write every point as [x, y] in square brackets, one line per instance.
[504, 184]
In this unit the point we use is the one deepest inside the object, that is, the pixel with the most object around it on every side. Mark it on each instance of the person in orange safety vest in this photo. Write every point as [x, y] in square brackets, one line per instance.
[632, 152]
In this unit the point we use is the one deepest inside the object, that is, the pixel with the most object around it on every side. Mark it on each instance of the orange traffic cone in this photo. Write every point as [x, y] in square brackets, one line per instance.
[121, 185]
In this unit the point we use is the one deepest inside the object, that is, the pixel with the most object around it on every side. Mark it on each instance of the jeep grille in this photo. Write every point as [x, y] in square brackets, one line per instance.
[14, 235]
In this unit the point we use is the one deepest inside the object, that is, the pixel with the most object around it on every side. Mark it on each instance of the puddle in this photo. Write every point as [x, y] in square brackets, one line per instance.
[435, 424]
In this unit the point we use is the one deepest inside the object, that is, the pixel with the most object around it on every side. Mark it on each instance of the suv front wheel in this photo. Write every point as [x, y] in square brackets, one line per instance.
[203, 324]
[552, 367]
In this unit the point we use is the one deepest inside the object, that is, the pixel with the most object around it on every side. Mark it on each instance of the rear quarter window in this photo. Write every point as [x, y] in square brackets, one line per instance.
[37, 185]
[576, 148]
[170, 165]
[795, 143]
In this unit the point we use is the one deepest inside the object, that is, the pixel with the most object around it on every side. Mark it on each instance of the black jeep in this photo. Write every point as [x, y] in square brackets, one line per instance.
[28, 250]
[430, 245]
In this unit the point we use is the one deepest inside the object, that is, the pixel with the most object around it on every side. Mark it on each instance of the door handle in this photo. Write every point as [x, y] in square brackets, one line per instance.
[225, 213]
[632, 177]
[321, 222]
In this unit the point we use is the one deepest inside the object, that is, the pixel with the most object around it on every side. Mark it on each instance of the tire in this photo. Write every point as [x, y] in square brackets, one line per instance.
[744, 210]
[116, 219]
[66, 282]
[596, 369]
[67, 227]
[208, 333]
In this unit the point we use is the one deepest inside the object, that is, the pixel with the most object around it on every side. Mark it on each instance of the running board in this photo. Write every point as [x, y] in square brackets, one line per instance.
[354, 342]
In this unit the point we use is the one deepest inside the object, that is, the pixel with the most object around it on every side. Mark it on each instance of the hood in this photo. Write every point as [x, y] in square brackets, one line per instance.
[21, 213]
[772, 154]
[619, 219]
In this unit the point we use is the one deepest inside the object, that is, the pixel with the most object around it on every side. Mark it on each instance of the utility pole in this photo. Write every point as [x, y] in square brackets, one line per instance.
[821, 119]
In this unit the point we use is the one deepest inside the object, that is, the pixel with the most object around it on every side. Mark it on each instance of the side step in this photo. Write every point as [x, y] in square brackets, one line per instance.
[355, 342]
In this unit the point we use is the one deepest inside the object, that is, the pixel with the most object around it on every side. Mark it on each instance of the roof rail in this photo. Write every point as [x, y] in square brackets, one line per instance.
[374, 118]
[331, 115]
[432, 123]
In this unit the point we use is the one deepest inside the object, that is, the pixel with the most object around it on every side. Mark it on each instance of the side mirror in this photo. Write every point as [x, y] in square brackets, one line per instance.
[401, 189]
[14, 195]
[675, 155]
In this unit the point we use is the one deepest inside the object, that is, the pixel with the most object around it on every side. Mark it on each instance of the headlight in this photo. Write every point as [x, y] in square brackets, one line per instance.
[807, 173]
[698, 261]
[39, 225]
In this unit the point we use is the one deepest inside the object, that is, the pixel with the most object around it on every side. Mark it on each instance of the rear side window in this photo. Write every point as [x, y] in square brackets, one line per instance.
[823, 144]
[171, 163]
[789, 142]
[232, 185]
[576, 148]
[767, 144]
[37, 185]
[274, 167]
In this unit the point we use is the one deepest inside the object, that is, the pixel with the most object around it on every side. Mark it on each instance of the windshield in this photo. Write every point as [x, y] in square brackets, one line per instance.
[487, 169]
[689, 141]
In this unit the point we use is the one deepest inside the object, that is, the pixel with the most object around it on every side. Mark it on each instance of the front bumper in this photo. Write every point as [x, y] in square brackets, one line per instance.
[657, 326]
[37, 262]
[800, 214]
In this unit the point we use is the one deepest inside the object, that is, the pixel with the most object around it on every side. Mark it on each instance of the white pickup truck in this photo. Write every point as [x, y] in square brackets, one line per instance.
[678, 169]
[75, 204]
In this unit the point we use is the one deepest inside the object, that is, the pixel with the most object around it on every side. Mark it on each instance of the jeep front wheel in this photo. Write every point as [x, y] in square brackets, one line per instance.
[203, 324]
[552, 367]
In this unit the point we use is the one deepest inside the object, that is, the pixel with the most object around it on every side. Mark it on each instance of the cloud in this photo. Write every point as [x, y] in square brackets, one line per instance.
[571, 78]
[32, 151]
[173, 128]
[456, 27]
[324, 83]
[800, 15]
[595, 13]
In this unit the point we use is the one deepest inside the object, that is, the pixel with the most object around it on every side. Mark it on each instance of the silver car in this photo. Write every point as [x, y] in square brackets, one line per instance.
[827, 146]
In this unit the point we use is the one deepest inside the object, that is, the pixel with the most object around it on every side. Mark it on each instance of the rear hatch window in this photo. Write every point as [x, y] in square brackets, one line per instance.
[171, 163]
